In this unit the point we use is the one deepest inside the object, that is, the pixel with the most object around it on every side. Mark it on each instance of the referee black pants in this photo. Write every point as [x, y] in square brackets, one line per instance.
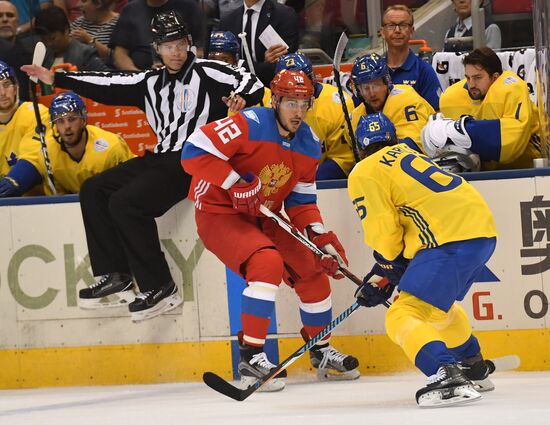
[119, 207]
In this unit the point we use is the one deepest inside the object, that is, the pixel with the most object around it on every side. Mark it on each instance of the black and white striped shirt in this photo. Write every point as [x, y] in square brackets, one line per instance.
[100, 32]
[175, 104]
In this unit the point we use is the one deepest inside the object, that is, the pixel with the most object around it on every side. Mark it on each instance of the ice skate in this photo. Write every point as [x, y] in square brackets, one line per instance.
[332, 365]
[254, 364]
[447, 387]
[477, 370]
[153, 303]
[111, 290]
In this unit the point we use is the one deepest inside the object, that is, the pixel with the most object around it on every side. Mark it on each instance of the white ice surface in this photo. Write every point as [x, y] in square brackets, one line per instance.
[520, 398]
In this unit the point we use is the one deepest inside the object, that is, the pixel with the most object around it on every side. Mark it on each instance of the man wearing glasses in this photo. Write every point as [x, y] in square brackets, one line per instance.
[405, 67]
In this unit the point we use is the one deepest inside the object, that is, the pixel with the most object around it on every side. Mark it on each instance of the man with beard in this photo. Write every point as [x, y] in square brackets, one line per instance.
[489, 113]
[77, 151]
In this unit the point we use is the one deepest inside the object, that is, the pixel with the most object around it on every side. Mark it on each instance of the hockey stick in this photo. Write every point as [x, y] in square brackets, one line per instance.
[246, 49]
[220, 385]
[37, 59]
[310, 245]
[338, 53]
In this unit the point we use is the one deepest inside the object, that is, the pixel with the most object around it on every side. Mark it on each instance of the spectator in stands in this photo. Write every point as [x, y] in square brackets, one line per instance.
[253, 17]
[326, 119]
[96, 26]
[463, 28]
[406, 109]
[405, 67]
[502, 123]
[53, 27]
[17, 121]
[131, 40]
[15, 49]
[76, 150]
[25, 14]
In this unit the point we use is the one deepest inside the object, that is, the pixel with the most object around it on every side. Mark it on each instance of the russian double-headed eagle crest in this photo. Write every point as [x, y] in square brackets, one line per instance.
[273, 177]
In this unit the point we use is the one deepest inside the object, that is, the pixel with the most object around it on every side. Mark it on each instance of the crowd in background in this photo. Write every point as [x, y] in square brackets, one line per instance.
[111, 35]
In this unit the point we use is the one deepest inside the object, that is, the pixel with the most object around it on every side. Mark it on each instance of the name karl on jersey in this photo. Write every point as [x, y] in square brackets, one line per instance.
[393, 153]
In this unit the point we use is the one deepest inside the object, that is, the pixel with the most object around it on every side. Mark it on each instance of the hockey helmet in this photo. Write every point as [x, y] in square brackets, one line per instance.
[368, 68]
[7, 72]
[169, 26]
[294, 84]
[374, 128]
[224, 41]
[295, 62]
[64, 103]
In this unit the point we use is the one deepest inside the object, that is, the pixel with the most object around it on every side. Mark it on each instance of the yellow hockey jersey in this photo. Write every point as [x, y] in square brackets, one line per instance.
[326, 119]
[507, 100]
[407, 203]
[22, 125]
[405, 108]
[103, 150]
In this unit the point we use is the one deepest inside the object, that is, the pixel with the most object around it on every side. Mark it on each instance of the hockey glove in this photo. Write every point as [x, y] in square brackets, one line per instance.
[393, 270]
[440, 131]
[247, 196]
[336, 256]
[369, 294]
[8, 187]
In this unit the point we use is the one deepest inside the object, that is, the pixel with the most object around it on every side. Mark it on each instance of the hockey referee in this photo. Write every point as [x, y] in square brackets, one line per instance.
[119, 206]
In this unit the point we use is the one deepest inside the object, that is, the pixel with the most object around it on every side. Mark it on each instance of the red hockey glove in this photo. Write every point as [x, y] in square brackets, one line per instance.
[336, 256]
[247, 196]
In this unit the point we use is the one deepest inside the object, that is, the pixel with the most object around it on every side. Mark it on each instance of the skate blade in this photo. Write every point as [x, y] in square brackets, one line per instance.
[483, 385]
[334, 375]
[120, 299]
[164, 306]
[449, 397]
[272, 386]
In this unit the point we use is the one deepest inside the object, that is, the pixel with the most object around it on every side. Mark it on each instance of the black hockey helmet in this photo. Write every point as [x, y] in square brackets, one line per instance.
[168, 26]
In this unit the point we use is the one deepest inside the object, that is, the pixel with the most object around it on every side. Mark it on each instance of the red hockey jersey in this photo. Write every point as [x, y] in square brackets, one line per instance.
[219, 153]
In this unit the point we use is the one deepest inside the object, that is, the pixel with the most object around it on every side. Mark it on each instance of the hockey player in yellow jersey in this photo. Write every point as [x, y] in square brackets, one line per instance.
[501, 123]
[77, 151]
[16, 121]
[431, 233]
[405, 108]
[326, 119]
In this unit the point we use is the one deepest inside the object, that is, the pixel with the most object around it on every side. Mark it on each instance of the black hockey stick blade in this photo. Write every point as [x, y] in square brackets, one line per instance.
[220, 385]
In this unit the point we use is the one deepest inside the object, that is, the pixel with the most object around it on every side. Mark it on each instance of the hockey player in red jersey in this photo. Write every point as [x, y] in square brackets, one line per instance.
[268, 156]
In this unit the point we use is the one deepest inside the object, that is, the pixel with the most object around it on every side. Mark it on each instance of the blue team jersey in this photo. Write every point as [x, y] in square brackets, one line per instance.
[419, 74]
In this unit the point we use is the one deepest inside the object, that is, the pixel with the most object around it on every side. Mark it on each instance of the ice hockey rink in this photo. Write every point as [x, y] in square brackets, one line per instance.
[519, 398]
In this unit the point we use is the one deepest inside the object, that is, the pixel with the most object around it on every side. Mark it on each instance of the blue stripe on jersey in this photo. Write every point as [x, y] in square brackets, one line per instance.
[294, 199]
[256, 307]
[486, 138]
[322, 318]
[262, 127]
[426, 236]
[191, 151]
[411, 144]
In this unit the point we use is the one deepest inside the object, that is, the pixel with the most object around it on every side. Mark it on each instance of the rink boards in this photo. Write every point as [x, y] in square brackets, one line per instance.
[46, 340]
